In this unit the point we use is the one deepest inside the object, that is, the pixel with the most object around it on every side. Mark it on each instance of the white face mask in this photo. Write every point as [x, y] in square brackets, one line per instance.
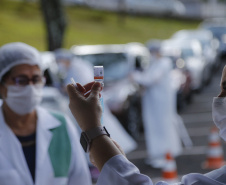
[23, 99]
[219, 115]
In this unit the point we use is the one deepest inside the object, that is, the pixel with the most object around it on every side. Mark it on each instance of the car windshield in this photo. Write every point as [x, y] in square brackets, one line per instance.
[218, 31]
[115, 64]
[186, 53]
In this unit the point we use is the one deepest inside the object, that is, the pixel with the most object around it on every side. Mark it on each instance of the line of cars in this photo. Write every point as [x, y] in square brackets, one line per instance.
[153, 7]
[195, 54]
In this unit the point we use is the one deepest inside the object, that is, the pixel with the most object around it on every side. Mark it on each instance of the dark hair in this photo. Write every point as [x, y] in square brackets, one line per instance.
[5, 76]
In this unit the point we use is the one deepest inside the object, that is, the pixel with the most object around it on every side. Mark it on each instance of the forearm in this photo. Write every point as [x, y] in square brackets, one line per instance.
[102, 149]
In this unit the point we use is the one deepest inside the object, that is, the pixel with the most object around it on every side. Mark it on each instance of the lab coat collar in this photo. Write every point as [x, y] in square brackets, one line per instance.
[46, 122]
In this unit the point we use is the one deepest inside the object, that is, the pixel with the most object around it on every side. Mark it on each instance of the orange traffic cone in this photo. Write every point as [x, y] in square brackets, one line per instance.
[215, 157]
[169, 171]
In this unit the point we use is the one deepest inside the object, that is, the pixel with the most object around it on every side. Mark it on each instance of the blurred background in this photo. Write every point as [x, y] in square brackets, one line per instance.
[119, 35]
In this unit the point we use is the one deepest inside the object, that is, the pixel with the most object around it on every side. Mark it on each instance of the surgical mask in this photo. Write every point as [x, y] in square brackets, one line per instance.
[219, 115]
[23, 99]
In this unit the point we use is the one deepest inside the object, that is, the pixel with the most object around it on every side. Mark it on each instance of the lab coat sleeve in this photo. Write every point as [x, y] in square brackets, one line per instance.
[118, 170]
[154, 73]
[79, 171]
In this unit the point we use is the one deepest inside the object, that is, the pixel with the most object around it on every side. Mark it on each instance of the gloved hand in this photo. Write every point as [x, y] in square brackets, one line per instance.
[223, 83]
[86, 109]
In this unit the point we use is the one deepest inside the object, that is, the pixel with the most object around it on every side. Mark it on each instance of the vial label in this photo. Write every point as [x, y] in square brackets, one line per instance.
[99, 77]
[98, 72]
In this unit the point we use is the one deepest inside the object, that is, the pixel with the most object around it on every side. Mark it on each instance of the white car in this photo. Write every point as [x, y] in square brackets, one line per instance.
[119, 60]
[53, 100]
[159, 7]
[208, 43]
[188, 54]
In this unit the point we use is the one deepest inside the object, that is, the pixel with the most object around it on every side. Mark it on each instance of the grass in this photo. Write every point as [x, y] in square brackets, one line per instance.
[22, 21]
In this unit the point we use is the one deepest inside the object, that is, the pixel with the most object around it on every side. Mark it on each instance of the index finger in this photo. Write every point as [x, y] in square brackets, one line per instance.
[89, 85]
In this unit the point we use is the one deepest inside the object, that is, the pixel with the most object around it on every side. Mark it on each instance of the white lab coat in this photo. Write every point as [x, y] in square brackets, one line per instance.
[118, 170]
[13, 165]
[158, 110]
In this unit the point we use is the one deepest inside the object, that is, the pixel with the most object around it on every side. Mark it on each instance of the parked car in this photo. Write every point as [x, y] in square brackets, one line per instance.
[153, 7]
[53, 100]
[156, 7]
[208, 45]
[188, 54]
[218, 28]
[121, 95]
[182, 82]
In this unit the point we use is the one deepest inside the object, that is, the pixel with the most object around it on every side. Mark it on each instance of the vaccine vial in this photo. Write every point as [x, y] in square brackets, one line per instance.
[99, 77]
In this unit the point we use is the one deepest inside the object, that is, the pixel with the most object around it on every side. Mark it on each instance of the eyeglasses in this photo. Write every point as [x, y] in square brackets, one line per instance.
[24, 80]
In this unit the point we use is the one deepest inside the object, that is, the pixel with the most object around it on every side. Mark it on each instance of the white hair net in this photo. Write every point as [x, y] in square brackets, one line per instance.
[17, 53]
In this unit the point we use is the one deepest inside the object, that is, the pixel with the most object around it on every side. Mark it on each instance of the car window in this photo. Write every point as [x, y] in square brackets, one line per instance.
[115, 64]
[218, 31]
[187, 52]
[141, 62]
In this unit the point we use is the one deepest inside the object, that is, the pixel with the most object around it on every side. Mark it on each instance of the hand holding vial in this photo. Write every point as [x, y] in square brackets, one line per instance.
[86, 110]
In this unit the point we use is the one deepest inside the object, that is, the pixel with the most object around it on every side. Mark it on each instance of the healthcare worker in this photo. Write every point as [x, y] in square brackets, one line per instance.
[36, 146]
[158, 110]
[108, 156]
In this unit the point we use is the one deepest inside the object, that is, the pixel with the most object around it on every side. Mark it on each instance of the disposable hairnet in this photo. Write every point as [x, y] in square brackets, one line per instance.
[17, 53]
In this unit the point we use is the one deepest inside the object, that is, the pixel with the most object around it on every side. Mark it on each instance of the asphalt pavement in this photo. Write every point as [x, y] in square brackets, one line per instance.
[197, 117]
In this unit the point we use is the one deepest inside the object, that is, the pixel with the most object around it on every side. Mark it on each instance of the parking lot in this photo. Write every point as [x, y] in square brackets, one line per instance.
[197, 118]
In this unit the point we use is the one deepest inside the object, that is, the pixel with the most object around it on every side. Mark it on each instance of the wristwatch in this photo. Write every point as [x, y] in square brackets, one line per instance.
[87, 136]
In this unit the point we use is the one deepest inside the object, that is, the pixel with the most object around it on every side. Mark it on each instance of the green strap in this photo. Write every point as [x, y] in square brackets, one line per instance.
[60, 148]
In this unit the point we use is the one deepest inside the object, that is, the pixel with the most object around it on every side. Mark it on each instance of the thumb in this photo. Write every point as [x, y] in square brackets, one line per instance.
[95, 90]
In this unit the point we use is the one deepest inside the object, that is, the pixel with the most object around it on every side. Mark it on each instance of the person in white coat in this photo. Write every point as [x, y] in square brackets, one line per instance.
[158, 110]
[108, 157]
[36, 146]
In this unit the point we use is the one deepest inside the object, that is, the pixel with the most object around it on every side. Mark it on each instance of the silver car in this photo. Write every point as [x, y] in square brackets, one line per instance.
[208, 44]
[189, 55]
